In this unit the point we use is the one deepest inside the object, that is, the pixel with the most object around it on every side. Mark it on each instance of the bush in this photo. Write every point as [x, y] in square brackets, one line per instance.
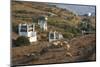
[22, 41]
[72, 31]
[68, 35]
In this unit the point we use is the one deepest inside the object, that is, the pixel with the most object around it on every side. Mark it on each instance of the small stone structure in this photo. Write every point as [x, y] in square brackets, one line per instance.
[28, 30]
[42, 22]
[53, 36]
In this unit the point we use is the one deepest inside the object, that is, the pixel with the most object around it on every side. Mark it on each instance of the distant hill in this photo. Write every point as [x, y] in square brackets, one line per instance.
[78, 9]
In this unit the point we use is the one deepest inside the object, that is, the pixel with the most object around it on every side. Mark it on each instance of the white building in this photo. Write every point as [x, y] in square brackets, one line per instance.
[53, 36]
[42, 22]
[89, 14]
[28, 30]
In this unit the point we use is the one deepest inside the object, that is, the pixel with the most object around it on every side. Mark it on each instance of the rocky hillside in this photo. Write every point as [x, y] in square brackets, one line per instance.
[59, 19]
[25, 11]
[82, 48]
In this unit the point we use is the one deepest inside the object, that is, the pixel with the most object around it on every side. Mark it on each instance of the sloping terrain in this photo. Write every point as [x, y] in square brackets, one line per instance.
[25, 11]
[59, 19]
[83, 48]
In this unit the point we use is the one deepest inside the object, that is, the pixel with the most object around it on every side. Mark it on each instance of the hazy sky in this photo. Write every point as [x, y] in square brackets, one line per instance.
[79, 9]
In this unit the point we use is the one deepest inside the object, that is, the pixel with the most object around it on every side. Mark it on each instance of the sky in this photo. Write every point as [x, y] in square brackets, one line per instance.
[78, 9]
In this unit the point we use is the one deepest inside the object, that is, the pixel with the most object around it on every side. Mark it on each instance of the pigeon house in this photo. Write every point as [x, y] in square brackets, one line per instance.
[28, 30]
[53, 36]
[42, 22]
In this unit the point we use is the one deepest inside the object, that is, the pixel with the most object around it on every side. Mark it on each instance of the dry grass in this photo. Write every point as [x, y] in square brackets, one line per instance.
[79, 45]
[82, 49]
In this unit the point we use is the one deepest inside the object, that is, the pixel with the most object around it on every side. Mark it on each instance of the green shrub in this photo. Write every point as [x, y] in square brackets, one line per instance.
[73, 30]
[86, 25]
[22, 41]
[68, 35]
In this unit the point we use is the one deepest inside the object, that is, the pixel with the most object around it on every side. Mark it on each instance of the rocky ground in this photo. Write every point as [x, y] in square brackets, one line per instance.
[82, 48]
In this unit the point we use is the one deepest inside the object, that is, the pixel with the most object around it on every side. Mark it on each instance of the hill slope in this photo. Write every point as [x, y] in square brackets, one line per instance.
[82, 49]
[24, 11]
